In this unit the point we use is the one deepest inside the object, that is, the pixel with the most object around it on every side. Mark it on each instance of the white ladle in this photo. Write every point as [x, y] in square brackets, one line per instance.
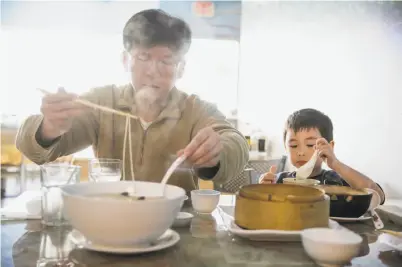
[172, 168]
[131, 192]
[305, 171]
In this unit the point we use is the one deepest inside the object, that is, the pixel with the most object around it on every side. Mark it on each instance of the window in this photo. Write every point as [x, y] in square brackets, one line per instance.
[46, 59]
[212, 72]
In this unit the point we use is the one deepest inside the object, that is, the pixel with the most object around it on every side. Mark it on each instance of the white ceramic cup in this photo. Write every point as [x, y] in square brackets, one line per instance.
[205, 200]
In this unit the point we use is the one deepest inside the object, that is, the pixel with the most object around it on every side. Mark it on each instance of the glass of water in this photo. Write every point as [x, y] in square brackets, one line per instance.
[105, 170]
[53, 176]
[55, 247]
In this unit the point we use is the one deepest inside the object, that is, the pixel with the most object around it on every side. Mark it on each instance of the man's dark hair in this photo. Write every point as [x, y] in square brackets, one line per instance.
[153, 27]
[309, 118]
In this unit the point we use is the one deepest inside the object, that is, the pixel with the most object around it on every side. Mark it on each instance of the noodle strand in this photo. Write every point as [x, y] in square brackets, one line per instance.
[124, 148]
[127, 133]
[131, 150]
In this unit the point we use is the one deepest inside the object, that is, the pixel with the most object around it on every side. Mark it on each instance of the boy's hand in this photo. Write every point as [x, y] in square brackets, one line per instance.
[326, 152]
[269, 177]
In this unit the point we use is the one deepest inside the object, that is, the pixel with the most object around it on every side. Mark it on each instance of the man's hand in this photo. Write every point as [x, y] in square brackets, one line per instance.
[326, 152]
[269, 177]
[58, 111]
[204, 150]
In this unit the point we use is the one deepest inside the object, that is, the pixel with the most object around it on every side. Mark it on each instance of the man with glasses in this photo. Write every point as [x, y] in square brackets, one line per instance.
[171, 123]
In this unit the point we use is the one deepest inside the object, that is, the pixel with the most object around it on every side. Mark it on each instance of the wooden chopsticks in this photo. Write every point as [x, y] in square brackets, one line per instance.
[95, 106]
[394, 233]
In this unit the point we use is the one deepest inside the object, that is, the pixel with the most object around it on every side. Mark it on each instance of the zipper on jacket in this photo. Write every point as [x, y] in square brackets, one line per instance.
[144, 133]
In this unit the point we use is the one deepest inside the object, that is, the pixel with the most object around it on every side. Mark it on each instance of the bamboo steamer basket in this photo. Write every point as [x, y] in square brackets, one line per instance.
[281, 207]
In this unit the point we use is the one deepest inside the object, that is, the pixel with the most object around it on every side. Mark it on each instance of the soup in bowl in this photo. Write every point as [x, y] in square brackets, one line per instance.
[301, 181]
[105, 215]
[346, 201]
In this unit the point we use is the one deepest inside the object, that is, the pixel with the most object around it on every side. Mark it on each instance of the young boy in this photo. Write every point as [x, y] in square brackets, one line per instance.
[308, 130]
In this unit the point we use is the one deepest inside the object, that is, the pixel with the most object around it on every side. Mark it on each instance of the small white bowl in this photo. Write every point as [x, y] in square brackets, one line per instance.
[183, 219]
[205, 200]
[331, 247]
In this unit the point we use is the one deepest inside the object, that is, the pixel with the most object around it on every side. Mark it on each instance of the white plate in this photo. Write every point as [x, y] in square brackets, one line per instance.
[271, 235]
[345, 219]
[168, 239]
[391, 241]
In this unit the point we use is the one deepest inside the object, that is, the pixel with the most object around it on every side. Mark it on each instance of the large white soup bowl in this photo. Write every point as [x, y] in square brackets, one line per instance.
[111, 221]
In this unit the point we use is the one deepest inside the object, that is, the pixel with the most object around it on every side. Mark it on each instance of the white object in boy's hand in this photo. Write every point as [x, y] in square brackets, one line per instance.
[305, 171]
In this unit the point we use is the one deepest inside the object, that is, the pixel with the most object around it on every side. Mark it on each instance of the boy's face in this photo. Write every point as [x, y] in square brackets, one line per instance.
[300, 146]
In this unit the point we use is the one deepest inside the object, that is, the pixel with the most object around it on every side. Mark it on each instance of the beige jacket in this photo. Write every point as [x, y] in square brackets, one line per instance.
[153, 149]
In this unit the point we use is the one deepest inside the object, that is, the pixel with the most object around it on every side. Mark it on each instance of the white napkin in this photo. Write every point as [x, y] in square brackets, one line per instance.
[25, 206]
[226, 215]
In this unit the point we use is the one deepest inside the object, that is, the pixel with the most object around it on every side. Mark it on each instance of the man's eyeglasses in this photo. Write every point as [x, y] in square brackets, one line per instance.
[164, 65]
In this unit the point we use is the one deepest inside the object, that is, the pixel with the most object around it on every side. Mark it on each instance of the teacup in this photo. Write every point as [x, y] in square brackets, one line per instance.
[301, 181]
[205, 200]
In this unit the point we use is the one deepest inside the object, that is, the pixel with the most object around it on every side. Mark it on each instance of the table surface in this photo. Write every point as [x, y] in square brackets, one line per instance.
[206, 242]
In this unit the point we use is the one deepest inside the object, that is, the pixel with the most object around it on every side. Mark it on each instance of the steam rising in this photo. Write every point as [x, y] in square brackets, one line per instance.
[149, 101]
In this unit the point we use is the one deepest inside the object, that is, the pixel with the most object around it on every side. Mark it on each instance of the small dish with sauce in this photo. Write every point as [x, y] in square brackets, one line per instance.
[346, 202]
[183, 219]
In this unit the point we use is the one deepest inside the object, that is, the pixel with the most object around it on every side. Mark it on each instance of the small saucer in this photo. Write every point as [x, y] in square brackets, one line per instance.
[272, 235]
[346, 219]
[183, 219]
[168, 239]
[391, 241]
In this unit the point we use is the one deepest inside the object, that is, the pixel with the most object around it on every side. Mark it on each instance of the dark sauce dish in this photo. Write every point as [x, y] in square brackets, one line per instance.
[346, 202]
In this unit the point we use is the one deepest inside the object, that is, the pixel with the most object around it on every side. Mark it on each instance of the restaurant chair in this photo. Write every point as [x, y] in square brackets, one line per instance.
[251, 174]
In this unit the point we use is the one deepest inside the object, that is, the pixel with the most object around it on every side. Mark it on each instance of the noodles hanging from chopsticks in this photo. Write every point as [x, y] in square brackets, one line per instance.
[127, 133]
[127, 130]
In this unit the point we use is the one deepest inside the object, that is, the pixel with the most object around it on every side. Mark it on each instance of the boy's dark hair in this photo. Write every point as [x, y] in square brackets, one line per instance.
[153, 27]
[309, 118]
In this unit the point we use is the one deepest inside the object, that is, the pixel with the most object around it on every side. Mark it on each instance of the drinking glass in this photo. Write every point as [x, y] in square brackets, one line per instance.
[55, 246]
[105, 170]
[53, 176]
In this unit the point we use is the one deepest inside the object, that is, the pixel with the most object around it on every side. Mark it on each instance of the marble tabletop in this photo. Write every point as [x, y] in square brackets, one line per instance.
[205, 243]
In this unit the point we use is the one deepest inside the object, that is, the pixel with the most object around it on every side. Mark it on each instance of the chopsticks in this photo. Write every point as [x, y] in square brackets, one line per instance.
[95, 106]
[394, 233]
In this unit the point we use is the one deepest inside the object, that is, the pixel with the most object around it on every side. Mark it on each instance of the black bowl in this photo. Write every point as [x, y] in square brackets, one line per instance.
[347, 202]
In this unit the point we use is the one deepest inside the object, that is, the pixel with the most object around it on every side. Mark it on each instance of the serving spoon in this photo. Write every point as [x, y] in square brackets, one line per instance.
[131, 192]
